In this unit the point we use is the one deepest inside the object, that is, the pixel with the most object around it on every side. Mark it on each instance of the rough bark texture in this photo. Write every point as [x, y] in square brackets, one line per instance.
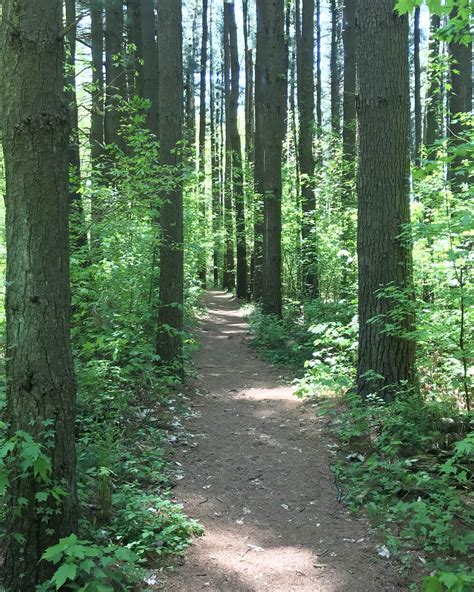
[319, 86]
[249, 88]
[460, 101]
[305, 63]
[261, 50]
[190, 99]
[273, 72]
[134, 36]
[348, 199]
[149, 52]
[349, 104]
[335, 67]
[78, 232]
[236, 156]
[170, 319]
[202, 133]
[229, 276]
[97, 115]
[216, 205]
[114, 71]
[383, 109]
[433, 102]
[417, 82]
[40, 379]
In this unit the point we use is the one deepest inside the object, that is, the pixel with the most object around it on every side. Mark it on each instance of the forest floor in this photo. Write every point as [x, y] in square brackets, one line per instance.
[259, 480]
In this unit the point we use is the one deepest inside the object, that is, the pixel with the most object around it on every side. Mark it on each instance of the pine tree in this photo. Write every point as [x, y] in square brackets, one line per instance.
[307, 127]
[385, 358]
[170, 319]
[272, 69]
[40, 376]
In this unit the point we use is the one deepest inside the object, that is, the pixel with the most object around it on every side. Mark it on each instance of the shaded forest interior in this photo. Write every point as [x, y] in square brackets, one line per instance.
[311, 159]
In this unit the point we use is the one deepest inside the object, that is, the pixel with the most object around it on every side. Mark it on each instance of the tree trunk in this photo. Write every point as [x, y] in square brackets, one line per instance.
[319, 84]
[349, 106]
[433, 103]
[202, 135]
[305, 65]
[134, 37]
[273, 71]
[40, 376]
[335, 67]
[460, 101]
[170, 319]
[236, 151]
[97, 115]
[385, 359]
[417, 83]
[229, 279]
[114, 72]
[189, 100]
[216, 209]
[347, 196]
[249, 89]
[257, 276]
[149, 52]
[77, 222]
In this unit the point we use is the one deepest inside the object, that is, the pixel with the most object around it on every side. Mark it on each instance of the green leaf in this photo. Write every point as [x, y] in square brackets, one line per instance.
[432, 584]
[66, 572]
[448, 579]
[41, 496]
[124, 554]
[42, 467]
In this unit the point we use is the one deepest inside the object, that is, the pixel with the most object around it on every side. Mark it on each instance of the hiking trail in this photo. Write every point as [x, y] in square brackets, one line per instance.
[259, 481]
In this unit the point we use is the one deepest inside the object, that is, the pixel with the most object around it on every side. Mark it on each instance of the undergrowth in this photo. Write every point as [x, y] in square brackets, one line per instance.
[407, 464]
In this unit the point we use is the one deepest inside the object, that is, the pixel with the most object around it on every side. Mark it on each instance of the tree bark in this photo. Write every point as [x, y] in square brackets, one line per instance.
[149, 52]
[114, 71]
[214, 122]
[202, 134]
[190, 100]
[249, 89]
[77, 221]
[236, 156]
[273, 71]
[460, 101]
[335, 67]
[417, 83]
[307, 126]
[97, 116]
[134, 37]
[261, 59]
[40, 375]
[319, 84]
[383, 110]
[170, 319]
[229, 276]
[433, 102]
[349, 105]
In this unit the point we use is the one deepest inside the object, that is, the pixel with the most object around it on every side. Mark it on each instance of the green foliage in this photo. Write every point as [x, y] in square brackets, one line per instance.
[151, 525]
[409, 463]
[458, 11]
[412, 476]
[88, 567]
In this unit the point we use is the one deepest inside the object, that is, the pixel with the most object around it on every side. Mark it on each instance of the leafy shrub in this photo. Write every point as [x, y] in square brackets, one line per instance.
[88, 567]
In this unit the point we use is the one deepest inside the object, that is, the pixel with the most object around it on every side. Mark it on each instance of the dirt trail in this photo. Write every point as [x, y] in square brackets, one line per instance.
[259, 481]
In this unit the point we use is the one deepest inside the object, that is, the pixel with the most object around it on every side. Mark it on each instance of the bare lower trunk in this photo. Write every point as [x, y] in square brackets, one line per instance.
[170, 319]
[273, 67]
[40, 378]
[386, 358]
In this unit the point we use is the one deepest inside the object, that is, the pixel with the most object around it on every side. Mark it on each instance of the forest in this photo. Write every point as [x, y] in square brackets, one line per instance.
[237, 304]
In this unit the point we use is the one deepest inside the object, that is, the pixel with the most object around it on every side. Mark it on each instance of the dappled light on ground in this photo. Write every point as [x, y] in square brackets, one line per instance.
[256, 474]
